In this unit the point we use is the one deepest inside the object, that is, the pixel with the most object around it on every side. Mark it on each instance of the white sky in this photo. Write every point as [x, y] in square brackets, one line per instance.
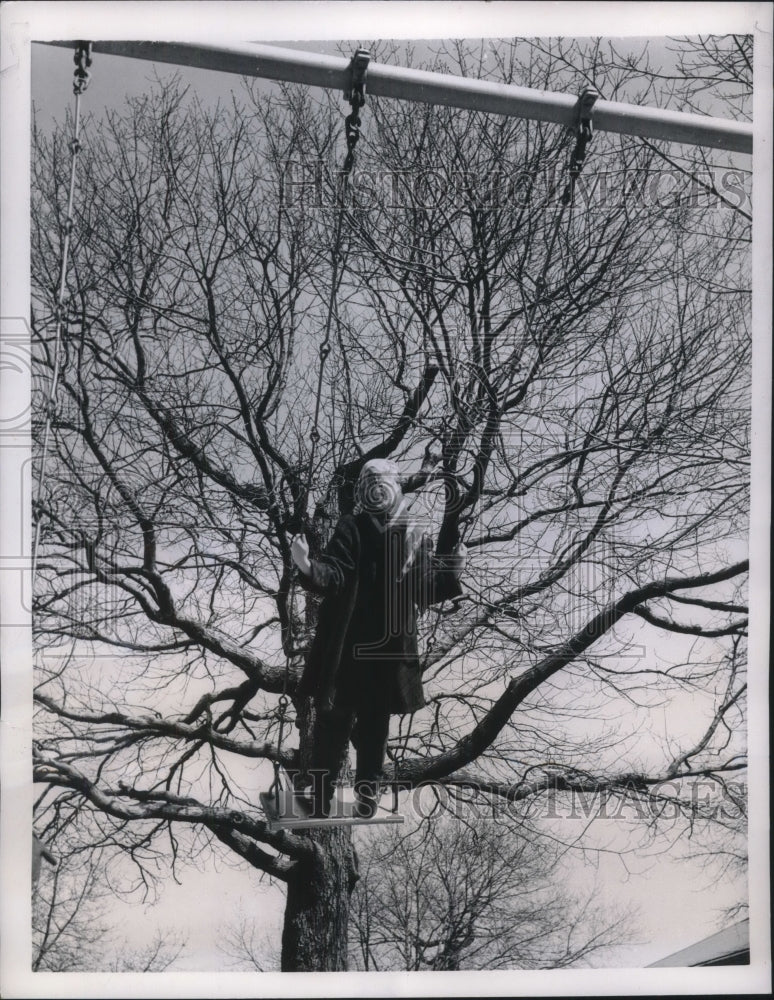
[675, 911]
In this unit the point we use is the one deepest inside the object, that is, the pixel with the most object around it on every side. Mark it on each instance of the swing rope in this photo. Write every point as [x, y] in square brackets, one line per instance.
[82, 61]
[583, 134]
[454, 533]
[355, 95]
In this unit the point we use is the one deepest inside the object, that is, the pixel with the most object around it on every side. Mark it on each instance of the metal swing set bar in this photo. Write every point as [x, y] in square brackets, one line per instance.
[333, 72]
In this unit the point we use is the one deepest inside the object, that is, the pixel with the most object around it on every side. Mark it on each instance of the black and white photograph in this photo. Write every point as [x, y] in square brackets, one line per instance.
[385, 444]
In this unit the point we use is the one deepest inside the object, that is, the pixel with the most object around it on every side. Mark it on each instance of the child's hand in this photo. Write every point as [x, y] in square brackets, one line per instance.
[299, 551]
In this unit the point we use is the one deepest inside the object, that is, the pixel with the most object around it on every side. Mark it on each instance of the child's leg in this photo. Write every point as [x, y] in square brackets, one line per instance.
[370, 740]
[331, 740]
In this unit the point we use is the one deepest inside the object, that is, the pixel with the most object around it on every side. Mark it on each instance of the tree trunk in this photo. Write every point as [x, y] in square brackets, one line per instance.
[314, 936]
[315, 931]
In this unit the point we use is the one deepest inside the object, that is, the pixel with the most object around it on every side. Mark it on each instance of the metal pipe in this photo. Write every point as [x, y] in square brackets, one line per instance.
[313, 69]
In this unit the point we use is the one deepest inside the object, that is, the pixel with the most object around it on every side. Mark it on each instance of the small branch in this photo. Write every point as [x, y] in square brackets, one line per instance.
[671, 626]
[729, 700]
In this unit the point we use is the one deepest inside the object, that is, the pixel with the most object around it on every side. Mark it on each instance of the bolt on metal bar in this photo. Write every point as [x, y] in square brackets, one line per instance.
[313, 69]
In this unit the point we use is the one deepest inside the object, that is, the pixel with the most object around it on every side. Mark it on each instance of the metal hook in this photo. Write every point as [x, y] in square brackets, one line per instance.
[583, 134]
[586, 102]
[354, 92]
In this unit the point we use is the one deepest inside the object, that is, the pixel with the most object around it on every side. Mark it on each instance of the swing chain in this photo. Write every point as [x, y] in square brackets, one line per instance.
[583, 135]
[355, 94]
[62, 313]
[82, 60]
[62, 308]
[282, 707]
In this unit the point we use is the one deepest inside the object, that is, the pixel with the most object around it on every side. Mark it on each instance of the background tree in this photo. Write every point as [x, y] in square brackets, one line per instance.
[580, 415]
[72, 928]
[246, 949]
[451, 896]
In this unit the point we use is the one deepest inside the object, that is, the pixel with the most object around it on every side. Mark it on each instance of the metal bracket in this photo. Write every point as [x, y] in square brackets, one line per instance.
[82, 60]
[586, 102]
[583, 133]
[354, 92]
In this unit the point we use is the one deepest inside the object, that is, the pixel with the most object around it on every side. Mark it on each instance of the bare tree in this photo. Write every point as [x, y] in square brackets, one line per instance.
[565, 386]
[157, 956]
[246, 948]
[451, 896]
[72, 928]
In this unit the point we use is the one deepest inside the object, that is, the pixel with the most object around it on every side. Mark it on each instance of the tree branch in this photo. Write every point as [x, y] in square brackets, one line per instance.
[169, 808]
[469, 747]
[670, 626]
[154, 726]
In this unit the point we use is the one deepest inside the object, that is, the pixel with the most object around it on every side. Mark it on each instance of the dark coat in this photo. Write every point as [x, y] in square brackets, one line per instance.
[373, 579]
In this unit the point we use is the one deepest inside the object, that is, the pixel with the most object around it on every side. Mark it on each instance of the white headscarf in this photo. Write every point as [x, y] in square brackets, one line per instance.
[375, 467]
[416, 536]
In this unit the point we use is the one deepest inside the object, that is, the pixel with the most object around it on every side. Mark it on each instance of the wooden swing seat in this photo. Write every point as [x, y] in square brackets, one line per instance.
[295, 811]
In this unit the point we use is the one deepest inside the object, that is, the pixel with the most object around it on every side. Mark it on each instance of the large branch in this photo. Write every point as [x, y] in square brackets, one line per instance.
[628, 784]
[740, 609]
[246, 848]
[267, 677]
[155, 726]
[135, 805]
[472, 745]
[165, 612]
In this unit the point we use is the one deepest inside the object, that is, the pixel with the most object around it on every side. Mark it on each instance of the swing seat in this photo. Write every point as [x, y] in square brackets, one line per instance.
[295, 810]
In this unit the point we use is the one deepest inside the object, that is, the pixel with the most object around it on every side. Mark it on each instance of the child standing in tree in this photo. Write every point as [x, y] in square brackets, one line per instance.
[375, 575]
